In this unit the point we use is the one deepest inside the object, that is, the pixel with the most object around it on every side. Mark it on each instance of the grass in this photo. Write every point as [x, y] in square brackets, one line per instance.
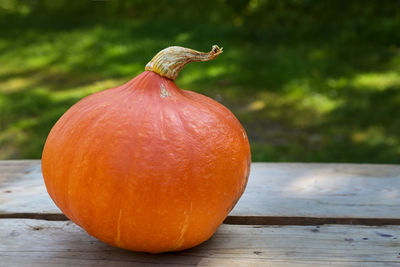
[304, 91]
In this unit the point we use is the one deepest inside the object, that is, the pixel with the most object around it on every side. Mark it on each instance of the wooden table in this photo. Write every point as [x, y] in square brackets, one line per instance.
[290, 215]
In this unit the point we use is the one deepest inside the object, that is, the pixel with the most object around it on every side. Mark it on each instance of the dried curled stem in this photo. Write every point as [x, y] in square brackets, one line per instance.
[171, 60]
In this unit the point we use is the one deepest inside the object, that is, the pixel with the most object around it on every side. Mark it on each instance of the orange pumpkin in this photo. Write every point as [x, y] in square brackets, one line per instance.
[147, 166]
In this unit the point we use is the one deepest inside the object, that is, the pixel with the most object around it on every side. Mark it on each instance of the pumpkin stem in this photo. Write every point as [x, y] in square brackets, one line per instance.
[171, 60]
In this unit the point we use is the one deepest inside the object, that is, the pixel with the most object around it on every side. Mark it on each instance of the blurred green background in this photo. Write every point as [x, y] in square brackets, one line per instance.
[311, 81]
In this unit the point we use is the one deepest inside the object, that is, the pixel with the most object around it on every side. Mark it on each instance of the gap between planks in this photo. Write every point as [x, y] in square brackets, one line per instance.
[242, 220]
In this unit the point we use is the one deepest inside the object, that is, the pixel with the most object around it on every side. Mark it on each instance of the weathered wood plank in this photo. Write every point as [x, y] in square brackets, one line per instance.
[22, 189]
[14, 169]
[274, 189]
[44, 243]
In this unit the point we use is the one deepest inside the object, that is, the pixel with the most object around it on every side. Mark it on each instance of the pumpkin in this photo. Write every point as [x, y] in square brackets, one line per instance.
[147, 166]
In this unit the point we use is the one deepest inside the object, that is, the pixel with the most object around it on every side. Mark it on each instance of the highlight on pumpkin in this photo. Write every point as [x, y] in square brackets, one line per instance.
[169, 61]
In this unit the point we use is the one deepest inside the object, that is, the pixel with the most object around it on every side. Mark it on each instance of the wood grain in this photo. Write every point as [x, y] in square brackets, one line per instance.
[43, 243]
[22, 189]
[14, 169]
[278, 190]
[322, 190]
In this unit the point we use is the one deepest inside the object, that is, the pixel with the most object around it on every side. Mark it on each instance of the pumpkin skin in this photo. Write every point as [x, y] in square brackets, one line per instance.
[147, 166]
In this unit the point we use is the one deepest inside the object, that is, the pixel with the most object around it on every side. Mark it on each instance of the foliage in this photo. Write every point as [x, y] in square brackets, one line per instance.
[309, 80]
